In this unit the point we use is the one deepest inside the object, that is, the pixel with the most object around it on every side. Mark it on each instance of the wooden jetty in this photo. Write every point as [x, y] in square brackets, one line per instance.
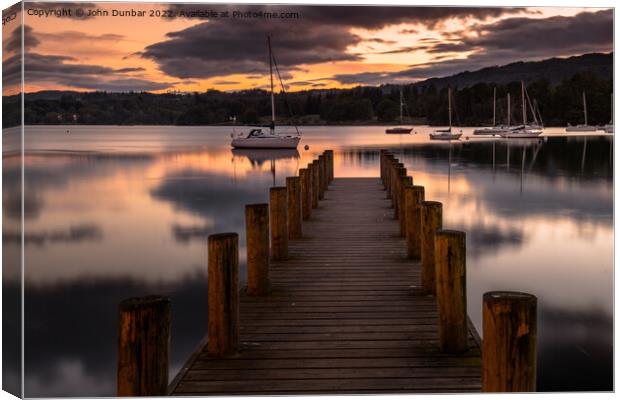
[342, 307]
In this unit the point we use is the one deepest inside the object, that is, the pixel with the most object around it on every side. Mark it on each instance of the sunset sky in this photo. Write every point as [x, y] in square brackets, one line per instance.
[324, 47]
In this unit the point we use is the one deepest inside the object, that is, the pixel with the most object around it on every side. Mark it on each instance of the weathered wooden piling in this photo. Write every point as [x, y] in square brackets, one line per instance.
[382, 154]
[305, 174]
[405, 181]
[414, 196]
[401, 172]
[431, 220]
[321, 164]
[389, 165]
[223, 299]
[450, 260]
[314, 166]
[330, 165]
[278, 222]
[397, 172]
[509, 345]
[143, 346]
[293, 188]
[257, 244]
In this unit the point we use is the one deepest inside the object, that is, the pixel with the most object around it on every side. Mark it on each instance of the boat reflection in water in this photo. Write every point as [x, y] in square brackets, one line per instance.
[258, 157]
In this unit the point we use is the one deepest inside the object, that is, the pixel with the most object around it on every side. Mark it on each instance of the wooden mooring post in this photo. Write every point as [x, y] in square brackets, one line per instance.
[305, 174]
[509, 324]
[330, 164]
[399, 172]
[223, 288]
[405, 182]
[293, 188]
[278, 222]
[414, 196]
[389, 170]
[316, 176]
[143, 346]
[431, 221]
[321, 164]
[257, 245]
[451, 290]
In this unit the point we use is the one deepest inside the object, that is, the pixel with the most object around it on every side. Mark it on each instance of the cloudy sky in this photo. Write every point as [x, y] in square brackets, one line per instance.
[315, 46]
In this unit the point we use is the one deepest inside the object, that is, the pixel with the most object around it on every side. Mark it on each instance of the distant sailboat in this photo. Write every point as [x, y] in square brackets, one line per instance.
[493, 129]
[399, 129]
[609, 128]
[259, 138]
[585, 127]
[446, 134]
[525, 130]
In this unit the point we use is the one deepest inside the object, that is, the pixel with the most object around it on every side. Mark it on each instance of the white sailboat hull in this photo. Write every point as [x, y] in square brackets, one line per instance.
[444, 135]
[581, 128]
[524, 132]
[275, 142]
[496, 130]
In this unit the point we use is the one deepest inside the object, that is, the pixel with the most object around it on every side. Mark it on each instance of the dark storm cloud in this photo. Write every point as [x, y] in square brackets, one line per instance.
[228, 46]
[136, 69]
[585, 32]
[14, 42]
[376, 17]
[59, 70]
[506, 41]
[219, 48]
[226, 83]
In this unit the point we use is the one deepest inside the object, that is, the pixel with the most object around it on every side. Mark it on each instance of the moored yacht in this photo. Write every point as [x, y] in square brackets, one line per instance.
[399, 129]
[582, 127]
[524, 130]
[267, 137]
[493, 129]
[446, 134]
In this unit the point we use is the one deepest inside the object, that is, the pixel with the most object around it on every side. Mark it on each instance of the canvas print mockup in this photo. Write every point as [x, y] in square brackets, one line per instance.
[282, 199]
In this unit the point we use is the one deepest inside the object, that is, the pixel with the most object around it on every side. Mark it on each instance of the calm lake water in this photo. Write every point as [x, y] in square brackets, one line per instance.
[114, 212]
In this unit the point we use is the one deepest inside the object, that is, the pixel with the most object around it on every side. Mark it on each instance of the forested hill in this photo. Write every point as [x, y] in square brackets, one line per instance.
[555, 70]
[555, 84]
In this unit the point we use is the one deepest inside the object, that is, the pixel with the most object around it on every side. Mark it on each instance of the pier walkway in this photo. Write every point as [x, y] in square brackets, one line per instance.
[346, 314]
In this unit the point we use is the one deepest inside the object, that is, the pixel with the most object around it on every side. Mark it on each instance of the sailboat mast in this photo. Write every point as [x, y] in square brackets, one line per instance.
[273, 101]
[585, 109]
[450, 108]
[494, 91]
[401, 105]
[523, 103]
[508, 109]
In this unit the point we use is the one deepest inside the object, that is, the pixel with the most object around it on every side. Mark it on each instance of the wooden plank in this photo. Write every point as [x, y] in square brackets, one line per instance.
[346, 314]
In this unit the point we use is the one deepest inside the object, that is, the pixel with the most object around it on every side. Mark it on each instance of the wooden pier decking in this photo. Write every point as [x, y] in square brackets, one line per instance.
[346, 314]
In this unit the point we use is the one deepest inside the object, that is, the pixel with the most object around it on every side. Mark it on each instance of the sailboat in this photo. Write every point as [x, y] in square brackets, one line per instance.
[494, 129]
[525, 130]
[446, 134]
[260, 138]
[400, 129]
[585, 127]
[609, 128]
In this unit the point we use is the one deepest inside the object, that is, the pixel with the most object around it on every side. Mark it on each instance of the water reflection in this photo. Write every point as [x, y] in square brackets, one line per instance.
[258, 157]
[122, 212]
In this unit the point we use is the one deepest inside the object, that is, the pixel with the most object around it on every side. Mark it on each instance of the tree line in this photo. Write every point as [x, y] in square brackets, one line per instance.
[559, 104]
